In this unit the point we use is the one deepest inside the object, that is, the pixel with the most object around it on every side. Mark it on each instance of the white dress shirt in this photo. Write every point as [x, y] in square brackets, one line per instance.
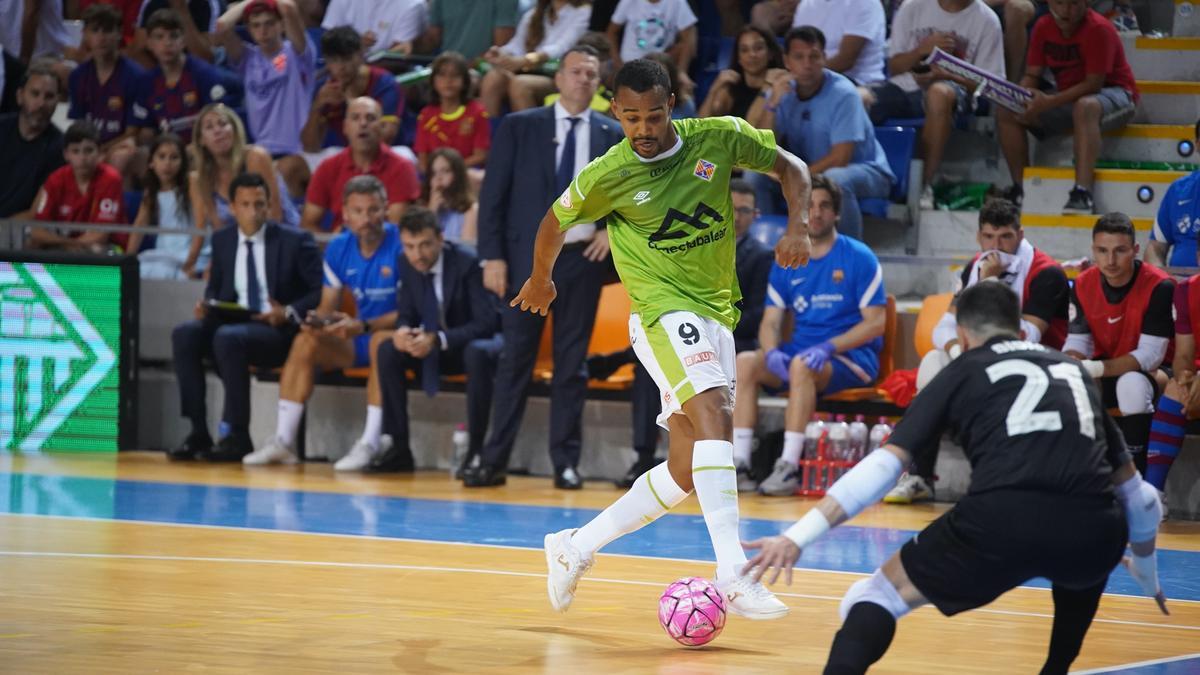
[260, 263]
[583, 134]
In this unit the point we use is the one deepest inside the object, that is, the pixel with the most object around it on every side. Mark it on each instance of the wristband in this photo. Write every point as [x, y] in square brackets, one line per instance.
[954, 351]
[1093, 368]
[808, 529]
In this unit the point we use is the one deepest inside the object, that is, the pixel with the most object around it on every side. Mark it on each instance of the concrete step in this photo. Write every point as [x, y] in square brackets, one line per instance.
[1163, 58]
[1168, 102]
[1067, 237]
[1136, 193]
[1172, 143]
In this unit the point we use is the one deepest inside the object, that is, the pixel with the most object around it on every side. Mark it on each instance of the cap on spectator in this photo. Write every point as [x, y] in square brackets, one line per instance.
[255, 6]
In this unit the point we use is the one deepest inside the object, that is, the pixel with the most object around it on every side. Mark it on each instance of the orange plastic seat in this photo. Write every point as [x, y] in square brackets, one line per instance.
[932, 309]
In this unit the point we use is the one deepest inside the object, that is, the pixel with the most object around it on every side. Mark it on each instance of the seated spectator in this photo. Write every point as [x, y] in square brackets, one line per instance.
[855, 33]
[12, 72]
[1121, 327]
[277, 295]
[774, 16]
[84, 191]
[469, 27]
[757, 65]
[104, 87]
[544, 33]
[346, 78]
[1178, 222]
[1094, 91]
[839, 309]
[34, 29]
[220, 152]
[446, 322]
[166, 206]
[681, 86]
[173, 92]
[1168, 425]
[366, 154]
[964, 28]
[1015, 17]
[642, 27]
[385, 25]
[278, 75]
[128, 11]
[453, 119]
[1038, 280]
[448, 193]
[31, 147]
[361, 260]
[819, 116]
[195, 25]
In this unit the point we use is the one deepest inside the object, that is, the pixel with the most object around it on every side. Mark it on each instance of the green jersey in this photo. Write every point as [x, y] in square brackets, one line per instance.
[670, 219]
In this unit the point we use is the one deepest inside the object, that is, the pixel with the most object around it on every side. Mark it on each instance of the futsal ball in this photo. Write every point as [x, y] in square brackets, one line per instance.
[692, 611]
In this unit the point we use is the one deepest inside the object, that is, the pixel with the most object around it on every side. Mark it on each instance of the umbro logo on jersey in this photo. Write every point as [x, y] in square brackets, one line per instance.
[641, 197]
[704, 169]
[1112, 320]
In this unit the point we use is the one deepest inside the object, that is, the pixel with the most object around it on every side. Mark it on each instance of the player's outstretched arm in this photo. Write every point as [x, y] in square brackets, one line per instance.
[861, 487]
[538, 292]
[794, 247]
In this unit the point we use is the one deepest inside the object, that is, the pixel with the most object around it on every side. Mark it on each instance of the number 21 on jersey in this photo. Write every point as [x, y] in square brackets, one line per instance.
[1021, 416]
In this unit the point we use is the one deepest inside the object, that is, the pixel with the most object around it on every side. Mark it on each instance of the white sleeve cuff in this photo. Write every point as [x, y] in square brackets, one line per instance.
[442, 339]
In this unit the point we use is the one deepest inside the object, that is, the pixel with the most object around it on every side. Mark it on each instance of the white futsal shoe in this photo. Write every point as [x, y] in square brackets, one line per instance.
[273, 452]
[750, 599]
[361, 454]
[565, 566]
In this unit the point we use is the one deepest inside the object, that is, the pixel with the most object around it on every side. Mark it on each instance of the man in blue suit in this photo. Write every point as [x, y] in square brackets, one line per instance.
[272, 271]
[534, 156]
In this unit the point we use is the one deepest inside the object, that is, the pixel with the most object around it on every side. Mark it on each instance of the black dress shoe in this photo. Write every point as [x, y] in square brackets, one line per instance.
[639, 467]
[568, 479]
[395, 460]
[195, 445]
[232, 448]
[484, 475]
[602, 366]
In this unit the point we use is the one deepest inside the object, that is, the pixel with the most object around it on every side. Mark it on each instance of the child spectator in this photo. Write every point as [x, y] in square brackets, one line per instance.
[197, 20]
[172, 94]
[103, 88]
[653, 26]
[453, 120]
[390, 25]
[346, 78]
[545, 33]
[447, 192]
[84, 191]
[127, 9]
[166, 206]
[279, 77]
[757, 64]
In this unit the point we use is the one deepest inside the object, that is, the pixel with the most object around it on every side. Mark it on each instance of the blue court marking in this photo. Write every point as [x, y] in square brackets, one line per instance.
[846, 549]
[1182, 665]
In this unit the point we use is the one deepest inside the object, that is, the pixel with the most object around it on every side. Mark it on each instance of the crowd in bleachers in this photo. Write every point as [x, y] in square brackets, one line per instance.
[400, 128]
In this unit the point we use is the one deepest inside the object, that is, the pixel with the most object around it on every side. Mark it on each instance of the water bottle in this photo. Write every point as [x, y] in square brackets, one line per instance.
[812, 437]
[461, 442]
[858, 438]
[839, 439]
[879, 434]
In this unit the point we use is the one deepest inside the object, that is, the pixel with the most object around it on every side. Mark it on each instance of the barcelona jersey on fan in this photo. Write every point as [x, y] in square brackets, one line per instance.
[108, 106]
[174, 107]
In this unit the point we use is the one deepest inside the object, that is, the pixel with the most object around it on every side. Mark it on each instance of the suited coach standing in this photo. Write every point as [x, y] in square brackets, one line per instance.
[535, 155]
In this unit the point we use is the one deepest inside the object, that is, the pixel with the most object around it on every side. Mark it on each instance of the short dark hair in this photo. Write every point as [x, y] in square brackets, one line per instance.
[821, 182]
[249, 180]
[364, 184]
[581, 48]
[417, 219]
[341, 42]
[809, 35]
[642, 75]
[42, 67]
[79, 132]
[102, 17]
[988, 309]
[460, 67]
[598, 42]
[1000, 212]
[741, 187]
[167, 19]
[1114, 222]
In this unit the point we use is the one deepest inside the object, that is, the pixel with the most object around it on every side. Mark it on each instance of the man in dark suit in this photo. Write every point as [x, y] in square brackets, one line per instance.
[534, 156]
[444, 325]
[276, 274]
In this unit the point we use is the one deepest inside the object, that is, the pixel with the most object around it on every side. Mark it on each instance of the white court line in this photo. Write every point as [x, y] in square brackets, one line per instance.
[467, 570]
[1153, 662]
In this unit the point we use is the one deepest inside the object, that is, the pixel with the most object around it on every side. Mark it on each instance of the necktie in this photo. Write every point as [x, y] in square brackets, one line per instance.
[566, 163]
[253, 292]
[430, 322]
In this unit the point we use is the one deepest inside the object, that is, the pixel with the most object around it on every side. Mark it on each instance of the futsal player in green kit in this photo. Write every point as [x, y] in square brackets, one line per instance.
[664, 191]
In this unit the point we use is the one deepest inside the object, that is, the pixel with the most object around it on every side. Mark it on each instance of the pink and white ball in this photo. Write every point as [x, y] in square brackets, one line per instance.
[692, 611]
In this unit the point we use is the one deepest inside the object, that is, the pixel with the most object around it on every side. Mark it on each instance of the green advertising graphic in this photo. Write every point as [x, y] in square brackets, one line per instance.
[60, 330]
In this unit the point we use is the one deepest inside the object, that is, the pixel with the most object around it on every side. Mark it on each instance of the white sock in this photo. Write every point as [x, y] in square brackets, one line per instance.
[653, 494]
[743, 443]
[288, 422]
[716, 487]
[374, 426]
[793, 445]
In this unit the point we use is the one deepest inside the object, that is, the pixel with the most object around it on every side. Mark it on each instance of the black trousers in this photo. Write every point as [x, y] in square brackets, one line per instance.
[578, 281]
[646, 407]
[235, 347]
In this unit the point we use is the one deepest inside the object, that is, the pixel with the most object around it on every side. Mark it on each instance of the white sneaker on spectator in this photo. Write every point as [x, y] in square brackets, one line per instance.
[783, 481]
[927, 203]
[565, 566]
[361, 454]
[747, 598]
[273, 452]
[909, 489]
[745, 481]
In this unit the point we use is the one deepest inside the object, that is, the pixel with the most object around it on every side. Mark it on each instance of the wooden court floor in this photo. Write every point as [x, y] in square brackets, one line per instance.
[137, 565]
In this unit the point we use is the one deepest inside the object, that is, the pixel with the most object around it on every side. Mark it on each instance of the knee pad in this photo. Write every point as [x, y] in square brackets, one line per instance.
[877, 589]
[931, 365]
[1135, 394]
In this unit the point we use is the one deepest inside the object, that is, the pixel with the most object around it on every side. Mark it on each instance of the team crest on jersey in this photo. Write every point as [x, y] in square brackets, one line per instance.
[838, 276]
[704, 169]
[385, 271]
[115, 103]
[280, 62]
[190, 99]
